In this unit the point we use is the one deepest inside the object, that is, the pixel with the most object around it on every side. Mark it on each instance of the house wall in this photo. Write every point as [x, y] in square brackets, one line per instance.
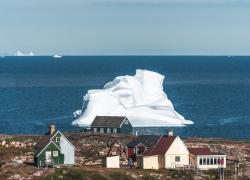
[112, 162]
[126, 127]
[40, 160]
[178, 148]
[105, 129]
[57, 135]
[68, 150]
[210, 166]
[150, 162]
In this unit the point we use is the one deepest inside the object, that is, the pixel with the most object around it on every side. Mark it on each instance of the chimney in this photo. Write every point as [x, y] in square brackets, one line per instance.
[52, 129]
[170, 132]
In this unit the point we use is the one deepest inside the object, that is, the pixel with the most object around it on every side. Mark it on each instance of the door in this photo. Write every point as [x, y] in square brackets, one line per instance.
[48, 156]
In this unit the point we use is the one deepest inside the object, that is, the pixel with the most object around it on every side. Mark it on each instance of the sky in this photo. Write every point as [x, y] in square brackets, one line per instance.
[125, 27]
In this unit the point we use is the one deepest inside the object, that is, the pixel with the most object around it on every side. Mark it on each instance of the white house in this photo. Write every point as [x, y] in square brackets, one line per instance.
[111, 162]
[204, 158]
[168, 152]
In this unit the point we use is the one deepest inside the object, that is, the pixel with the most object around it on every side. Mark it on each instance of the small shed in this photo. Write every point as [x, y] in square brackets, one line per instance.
[54, 149]
[111, 162]
[111, 124]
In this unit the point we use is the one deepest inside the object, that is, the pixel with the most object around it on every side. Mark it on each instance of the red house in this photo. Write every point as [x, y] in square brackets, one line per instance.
[140, 144]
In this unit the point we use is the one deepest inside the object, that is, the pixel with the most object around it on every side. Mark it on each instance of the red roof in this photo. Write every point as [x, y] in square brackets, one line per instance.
[203, 151]
[161, 146]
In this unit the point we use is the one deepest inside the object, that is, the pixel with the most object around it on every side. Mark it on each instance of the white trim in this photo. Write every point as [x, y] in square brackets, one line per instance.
[216, 155]
[55, 134]
[139, 144]
[55, 143]
[55, 153]
[46, 147]
[64, 138]
[123, 121]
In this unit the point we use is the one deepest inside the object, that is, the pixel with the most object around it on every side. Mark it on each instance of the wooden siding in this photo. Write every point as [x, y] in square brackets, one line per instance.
[40, 159]
[126, 128]
[68, 150]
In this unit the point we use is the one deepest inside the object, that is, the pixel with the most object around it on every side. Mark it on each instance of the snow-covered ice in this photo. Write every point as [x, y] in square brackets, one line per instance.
[140, 98]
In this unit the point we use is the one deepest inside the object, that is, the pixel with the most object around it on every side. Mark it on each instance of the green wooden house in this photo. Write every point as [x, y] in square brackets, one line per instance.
[111, 124]
[54, 149]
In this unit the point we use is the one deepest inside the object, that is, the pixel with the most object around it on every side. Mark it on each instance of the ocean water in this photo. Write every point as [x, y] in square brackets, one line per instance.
[213, 92]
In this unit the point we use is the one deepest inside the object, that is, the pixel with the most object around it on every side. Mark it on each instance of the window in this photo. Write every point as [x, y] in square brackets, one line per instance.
[101, 130]
[108, 130]
[204, 161]
[177, 158]
[211, 160]
[95, 129]
[55, 153]
[208, 160]
[215, 160]
[58, 139]
[200, 161]
[114, 130]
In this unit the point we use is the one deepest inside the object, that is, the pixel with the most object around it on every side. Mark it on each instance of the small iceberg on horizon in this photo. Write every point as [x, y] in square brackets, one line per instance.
[20, 53]
[57, 56]
[140, 98]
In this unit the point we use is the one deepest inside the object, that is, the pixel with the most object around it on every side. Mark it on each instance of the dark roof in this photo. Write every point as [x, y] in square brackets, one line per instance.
[108, 121]
[43, 141]
[203, 151]
[146, 140]
[161, 146]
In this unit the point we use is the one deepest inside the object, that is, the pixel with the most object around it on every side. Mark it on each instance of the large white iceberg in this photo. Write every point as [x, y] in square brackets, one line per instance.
[140, 98]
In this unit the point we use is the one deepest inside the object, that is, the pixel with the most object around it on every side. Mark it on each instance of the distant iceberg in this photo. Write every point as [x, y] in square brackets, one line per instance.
[140, 97]
[20, 53]
[57, 56]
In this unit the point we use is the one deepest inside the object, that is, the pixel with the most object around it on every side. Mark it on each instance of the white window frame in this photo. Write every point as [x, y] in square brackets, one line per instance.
[57, 139]
[114, 130]
[179, 157]
[108, 130]
[55, 153]
[95, 129]
[101, 130]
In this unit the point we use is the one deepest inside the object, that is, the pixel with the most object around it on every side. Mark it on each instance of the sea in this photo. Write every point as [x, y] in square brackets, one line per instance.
[212, 91]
